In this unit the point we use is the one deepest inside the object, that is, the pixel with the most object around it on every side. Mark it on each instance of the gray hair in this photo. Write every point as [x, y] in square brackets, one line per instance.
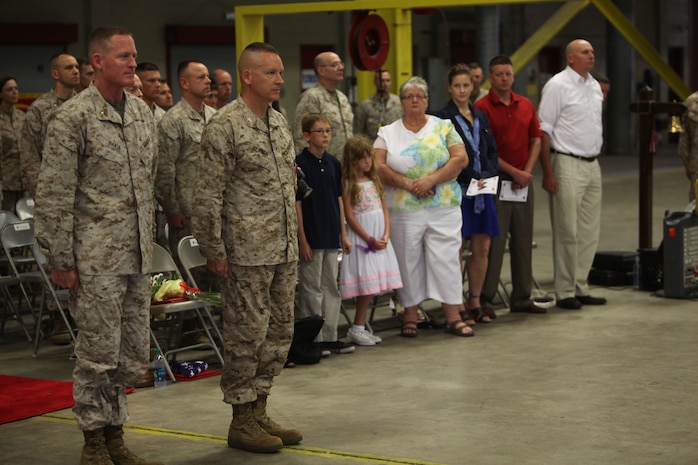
[415, 82]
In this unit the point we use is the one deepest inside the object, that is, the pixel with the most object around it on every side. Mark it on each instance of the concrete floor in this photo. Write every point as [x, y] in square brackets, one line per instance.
[601, 386]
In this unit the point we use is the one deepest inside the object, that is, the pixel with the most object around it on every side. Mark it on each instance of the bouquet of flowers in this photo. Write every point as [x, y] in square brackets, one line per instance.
[164, 289]
[193, 293]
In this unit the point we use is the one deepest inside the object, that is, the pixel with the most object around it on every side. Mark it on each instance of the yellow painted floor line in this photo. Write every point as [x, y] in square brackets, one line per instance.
[301, 450]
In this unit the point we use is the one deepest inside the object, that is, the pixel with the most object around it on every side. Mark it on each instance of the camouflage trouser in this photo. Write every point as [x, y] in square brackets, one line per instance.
[112, 317]
[257, 328]
[159, 223]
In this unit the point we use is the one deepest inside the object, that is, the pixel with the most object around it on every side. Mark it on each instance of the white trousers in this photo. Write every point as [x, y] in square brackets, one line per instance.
[575, 215]
[427, 243]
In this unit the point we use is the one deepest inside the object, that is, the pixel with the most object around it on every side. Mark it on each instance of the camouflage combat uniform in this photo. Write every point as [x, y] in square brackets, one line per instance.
[159, 233]
[158, 113]
[375, 112]
[688, 141]
[335, 106]
[246, 176]
[33, 134]
[179, 136]
[11, 132]
[94, 213]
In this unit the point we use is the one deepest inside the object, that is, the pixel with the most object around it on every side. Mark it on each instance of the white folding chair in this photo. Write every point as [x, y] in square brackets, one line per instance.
[164, 263]
[190, 257]
[5, 219]
[17, 240]
[25, 208]
[28, 264]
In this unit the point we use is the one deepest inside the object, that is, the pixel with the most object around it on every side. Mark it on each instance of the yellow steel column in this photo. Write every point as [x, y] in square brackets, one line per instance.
[400, 58]
[249, 27]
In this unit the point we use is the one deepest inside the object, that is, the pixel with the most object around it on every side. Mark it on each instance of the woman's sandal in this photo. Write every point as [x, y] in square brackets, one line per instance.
[489, 311]
[459, 328]
[409, 329]
[478, 315]
[466, 318]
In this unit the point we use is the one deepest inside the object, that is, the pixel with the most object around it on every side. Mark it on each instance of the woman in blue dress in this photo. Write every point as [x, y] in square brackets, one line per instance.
[479, 212]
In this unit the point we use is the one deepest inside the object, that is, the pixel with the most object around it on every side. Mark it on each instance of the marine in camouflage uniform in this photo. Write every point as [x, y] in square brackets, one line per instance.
[31, 147]
[65, 72]
[94, 213]
[33, 135]
[246, 173]
[379, 109]
[688, 142]
[11, 131]
[158, 113]
[375, 112]
[326, 99]
[247, 229]
[332, 104]
[179, 136]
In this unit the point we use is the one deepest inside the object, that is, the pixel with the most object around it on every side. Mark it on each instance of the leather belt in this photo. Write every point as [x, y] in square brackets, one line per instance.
[578, 157]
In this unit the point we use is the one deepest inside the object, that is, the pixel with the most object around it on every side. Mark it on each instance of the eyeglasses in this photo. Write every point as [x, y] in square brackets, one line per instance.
[335, 65]
[322, 131]
[413, 97]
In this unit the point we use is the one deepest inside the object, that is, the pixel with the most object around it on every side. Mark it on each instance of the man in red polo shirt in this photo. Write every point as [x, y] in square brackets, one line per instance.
[518, 136]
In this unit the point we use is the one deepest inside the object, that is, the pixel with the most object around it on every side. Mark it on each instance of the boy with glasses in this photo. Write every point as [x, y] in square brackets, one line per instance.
[320, 230]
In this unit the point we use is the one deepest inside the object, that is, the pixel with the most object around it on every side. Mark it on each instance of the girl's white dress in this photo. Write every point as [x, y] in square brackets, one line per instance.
[366, 272]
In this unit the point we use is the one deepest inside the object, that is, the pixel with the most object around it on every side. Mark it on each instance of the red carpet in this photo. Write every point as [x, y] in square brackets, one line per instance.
[28, 397]
[203, 374]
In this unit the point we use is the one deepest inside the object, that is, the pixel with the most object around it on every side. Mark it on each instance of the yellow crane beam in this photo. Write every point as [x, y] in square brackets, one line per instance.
[642, 46]
[249, 27]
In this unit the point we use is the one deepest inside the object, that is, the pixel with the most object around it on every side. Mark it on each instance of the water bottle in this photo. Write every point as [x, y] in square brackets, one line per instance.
[636, 273]
[159, 371]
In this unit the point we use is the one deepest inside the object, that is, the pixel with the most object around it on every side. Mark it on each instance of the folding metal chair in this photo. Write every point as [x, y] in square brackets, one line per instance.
[5, 219]
[164, 263]
[190, 257]
[17, 240]
[7, 282]
[28, 264]
[59, 296]
[25, 208]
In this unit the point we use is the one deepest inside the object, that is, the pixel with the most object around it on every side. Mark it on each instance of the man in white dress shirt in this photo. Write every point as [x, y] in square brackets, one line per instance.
[570, 114]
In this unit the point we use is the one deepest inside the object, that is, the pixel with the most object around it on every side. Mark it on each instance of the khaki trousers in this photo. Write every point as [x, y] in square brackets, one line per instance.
[575, 215]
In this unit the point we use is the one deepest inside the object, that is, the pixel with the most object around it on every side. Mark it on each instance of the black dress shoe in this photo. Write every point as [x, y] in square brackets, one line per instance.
[531, 308]
[570, 303]
[589, 300]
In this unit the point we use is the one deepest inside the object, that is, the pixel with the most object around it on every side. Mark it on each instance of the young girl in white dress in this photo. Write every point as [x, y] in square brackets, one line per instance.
[371, 268]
